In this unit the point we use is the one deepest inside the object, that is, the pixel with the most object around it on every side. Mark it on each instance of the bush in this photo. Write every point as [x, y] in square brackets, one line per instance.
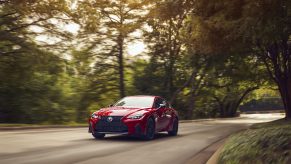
[267, 143]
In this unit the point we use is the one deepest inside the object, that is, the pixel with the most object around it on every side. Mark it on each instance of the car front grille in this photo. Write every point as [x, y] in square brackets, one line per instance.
[116, 125]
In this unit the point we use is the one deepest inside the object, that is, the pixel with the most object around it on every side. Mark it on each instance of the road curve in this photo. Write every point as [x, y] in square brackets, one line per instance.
[75, 145]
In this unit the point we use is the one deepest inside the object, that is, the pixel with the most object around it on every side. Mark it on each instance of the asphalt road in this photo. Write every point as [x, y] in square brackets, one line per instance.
[75, 145]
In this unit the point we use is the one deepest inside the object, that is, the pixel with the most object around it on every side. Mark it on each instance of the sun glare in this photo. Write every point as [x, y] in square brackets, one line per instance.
[136, 48]
[72, 28]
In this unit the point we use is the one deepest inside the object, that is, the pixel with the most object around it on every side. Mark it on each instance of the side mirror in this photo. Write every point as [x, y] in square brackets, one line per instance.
[162, 106]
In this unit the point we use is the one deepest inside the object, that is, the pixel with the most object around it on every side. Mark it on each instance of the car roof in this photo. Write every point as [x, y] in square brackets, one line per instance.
[143, 96]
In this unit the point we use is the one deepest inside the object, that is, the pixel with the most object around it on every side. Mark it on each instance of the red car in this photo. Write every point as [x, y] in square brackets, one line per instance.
[141, 116]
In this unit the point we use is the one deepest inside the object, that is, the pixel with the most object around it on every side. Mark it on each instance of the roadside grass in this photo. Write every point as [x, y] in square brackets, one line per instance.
[263, 143]
[71, 124]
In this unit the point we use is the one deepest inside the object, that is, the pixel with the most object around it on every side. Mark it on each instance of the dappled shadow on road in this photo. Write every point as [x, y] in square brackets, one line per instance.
[89, 141]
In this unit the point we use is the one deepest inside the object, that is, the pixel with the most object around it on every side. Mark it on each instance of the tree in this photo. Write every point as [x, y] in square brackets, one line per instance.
[30, 76]
[95, 87]
[260, 27]
[272, 44]
[22, 21]
[113, 22]
[176, 69]
[235, 78]
[166, 19]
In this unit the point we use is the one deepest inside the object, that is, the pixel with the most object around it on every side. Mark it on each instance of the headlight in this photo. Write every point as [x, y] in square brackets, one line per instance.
[135, 116]
[95, 116]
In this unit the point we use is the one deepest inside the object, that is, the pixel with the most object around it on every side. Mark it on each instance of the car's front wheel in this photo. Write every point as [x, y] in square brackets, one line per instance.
[174, 130]
[150, 130]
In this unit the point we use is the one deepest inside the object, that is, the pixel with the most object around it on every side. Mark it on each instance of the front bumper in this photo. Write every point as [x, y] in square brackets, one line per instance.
[119, 125]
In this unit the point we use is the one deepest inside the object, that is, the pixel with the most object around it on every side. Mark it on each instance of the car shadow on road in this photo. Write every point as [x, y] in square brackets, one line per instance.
[125, 138]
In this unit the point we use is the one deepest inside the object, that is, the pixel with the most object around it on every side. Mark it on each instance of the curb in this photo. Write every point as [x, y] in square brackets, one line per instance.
[209, 119]
[263, 112]
[207, 153]
[39, 127]
[197, 120]
[214, 158]
[210, 154]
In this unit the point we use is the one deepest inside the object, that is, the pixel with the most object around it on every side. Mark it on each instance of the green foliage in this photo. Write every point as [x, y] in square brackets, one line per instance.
[258, 27]
[31, 93]
[110, 24]
[263, 104]
[264, 143]
[32, 79]
[201, 55]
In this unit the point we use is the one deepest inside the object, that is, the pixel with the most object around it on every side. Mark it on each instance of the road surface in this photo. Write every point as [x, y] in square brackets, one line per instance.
[75, 145]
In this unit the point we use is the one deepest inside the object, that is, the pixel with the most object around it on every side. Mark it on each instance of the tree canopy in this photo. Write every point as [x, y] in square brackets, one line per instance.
[62, 59]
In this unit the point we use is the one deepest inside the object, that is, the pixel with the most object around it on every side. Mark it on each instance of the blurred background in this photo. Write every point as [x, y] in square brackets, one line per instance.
[60, 60]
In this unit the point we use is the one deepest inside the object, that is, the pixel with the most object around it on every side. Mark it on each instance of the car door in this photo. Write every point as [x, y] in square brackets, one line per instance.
[167, 115]
[161, 116]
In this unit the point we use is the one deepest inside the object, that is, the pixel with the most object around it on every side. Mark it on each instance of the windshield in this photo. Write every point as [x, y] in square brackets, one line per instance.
[145, 102]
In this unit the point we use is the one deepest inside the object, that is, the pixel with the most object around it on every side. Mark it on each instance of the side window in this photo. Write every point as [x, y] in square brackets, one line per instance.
[158, 101]
[167, 104]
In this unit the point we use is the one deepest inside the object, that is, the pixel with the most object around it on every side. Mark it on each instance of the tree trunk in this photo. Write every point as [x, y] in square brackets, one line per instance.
[277, 59]
[285, 92]
[121, 67]
[169, 76]
[229, 104]
[82, 110]
[288, 106]
[191, 104]
[242, 97]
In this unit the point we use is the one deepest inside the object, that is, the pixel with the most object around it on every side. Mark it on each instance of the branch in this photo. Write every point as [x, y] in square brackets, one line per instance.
[264, 59]
[194, 73]
[198, 85]
[10, 52]
[220, 103]
[27, 25]
[8, 14]
[113, 20]
[220, 86]
[245, 93]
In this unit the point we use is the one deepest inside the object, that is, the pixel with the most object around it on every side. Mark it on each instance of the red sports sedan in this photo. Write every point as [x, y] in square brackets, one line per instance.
[141, 116]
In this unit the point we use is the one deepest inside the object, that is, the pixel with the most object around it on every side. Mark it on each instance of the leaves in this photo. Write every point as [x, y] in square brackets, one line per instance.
[203, 56]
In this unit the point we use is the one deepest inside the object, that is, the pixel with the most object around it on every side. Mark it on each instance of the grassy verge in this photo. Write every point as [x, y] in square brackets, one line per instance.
[262, 143]
[45, 125]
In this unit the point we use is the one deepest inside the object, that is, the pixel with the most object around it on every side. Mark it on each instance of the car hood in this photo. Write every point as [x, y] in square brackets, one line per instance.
[120, 111]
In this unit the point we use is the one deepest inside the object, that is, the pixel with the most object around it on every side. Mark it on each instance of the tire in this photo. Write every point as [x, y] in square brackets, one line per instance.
[98, 135]
[150, 130]
[175, 128]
